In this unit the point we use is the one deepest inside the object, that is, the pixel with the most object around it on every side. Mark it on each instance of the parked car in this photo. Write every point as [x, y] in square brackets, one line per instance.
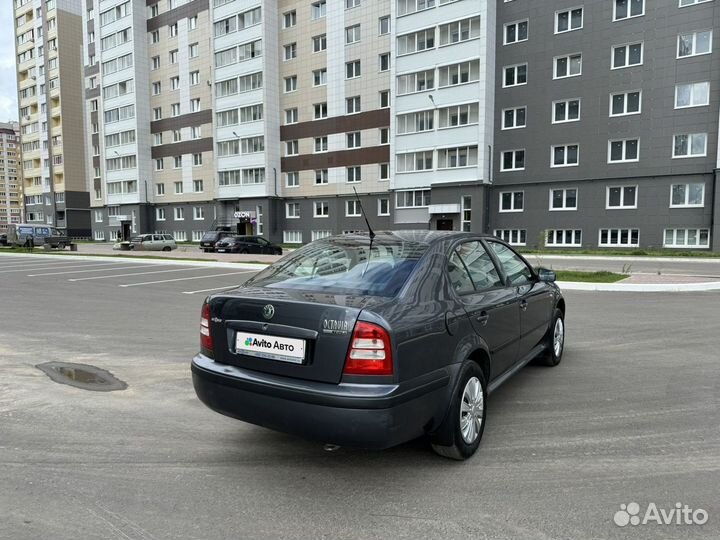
[153, 242]
[3, 239]
[210, 238]
[372, 342]
[28, 233]
[247, 244]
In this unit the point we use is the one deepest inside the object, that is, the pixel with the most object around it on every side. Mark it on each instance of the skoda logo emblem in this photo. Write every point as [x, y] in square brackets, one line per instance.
[269, 311]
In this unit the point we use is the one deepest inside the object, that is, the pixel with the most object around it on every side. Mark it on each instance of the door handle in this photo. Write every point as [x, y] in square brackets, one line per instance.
[523, 304]
[483, 318]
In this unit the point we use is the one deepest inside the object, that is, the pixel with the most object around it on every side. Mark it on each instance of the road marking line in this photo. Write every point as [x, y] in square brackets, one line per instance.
[213, 289]
[133, 274]
[55, 267]
[82, 271]
[36, 263]
[183, 279]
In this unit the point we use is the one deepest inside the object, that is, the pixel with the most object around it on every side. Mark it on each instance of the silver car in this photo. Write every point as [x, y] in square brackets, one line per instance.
[153, 242]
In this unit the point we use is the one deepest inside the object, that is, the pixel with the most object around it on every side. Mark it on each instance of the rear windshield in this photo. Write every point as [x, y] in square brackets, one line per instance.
[345, 266]
[210, 236]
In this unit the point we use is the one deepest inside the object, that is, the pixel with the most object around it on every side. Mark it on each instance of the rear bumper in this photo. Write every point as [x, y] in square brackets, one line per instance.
[360, 415]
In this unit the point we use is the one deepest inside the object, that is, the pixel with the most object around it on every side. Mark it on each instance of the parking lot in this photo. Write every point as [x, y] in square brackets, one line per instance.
[630, 415]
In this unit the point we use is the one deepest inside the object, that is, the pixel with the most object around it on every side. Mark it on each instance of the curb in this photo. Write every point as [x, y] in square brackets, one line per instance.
[630, 258]
[639, 287]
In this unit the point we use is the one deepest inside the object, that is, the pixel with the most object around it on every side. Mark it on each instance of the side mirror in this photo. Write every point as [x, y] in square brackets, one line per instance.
[545, 275]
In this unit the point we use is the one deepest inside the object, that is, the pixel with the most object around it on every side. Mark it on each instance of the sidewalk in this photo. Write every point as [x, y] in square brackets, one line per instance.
[182, 252]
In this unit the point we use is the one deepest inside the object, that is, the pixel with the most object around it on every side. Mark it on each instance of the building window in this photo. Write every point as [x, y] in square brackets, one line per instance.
[625, 103]
[160, 189]
[98, 216]
[619, 238]
[567, 66]
[157, 113]
[621, 197]
[291, 115]
[412, 199]
[624, 151]
[349, 4]
[177, 162]
[292, 210]
[320, 77]
[289, 19]
[567, 110]
[457, 115]
[694, 43]
[292, 237]
[514, 118]
[320, 110]
[516, 32]
[414, 161]
[352, 34]
[384, 25]
[197, 160]
[692, 95]
[466, 213]
[563, 238]
[98, 235]
[318, 9]
[292, 148]
[321, 177]
[320, 144]
[321, 209]
[352, 208]
[384, 61]
[458, 31]
[563, 199]
[353, 139]
[685, 3]
[352, 105]
[198, 213]
[514, 75]
[384, 96]
[383, 207]
[156, 88]
[568, 20]
[514, 237]
[453, 158]
[198, 186]
[352, 69]
[383, 171]
[160, 214]
[512, 201]
[690, 145]
[354, 174]
[686, 238]
[625, 9]
[195, 105]
[179, 213]
[192, 22]
[687, 195]
[512, 160]
[384, 135]
[290, 84]
[416, 42]
[459, 73]
[174, 56]
[411, 83]
[627, 55]
[290, 51]
[566, 155]
[319, 43]
[292, 179]
[178, 188]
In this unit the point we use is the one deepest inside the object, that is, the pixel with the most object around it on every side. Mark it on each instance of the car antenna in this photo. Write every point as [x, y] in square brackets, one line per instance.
[371, 233]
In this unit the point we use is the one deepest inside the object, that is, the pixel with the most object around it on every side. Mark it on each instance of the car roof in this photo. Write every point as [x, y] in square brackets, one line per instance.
[419, 236]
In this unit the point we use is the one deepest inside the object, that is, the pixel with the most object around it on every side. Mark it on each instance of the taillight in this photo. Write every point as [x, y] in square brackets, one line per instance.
[370, 352]
[206, 342]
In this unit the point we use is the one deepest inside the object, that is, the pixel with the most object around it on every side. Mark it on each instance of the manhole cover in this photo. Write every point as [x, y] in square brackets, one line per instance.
[82, 376]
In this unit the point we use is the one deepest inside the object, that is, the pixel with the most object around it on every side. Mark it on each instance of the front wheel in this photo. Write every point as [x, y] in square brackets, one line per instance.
[465, 421]
[554, 341]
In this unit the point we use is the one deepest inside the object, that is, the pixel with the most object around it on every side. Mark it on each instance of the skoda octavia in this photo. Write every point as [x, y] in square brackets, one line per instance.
[374, 340]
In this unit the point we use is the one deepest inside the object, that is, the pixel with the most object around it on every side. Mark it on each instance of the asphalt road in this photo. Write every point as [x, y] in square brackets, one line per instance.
[631, 415]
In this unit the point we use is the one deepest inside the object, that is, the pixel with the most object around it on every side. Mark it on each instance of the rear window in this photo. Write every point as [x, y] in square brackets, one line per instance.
[345, 266]
[209, 237]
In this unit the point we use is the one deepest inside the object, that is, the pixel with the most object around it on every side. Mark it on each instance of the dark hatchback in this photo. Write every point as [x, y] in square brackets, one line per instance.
[371, 343]
[247, 244]
[210, 238]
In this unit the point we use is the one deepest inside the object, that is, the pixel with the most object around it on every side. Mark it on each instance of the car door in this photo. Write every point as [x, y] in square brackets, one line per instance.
[536, 297]
[265, 246]
[493, 307]
[157, 242]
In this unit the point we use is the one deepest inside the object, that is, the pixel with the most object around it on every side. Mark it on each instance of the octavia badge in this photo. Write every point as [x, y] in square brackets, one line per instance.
[268, 311]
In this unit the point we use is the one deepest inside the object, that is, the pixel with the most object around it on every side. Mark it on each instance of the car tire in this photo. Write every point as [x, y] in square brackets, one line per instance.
[244, 252]
[470, 393]
[61, 245]
[167, 248]
[555, 341]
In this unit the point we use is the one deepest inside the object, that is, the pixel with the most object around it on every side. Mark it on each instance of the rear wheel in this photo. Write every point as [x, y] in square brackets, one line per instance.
[167, 248]
[465, 421]
[554, 341]
[61, 245]
[244, 252]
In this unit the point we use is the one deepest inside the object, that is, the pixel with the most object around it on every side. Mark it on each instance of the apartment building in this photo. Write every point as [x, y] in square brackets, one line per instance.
[607, 124]
[11, 195]
[47, 46]
[442, 103]
[148, 116]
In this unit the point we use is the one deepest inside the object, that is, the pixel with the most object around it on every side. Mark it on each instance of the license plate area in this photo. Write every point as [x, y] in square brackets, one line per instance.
[281, 349]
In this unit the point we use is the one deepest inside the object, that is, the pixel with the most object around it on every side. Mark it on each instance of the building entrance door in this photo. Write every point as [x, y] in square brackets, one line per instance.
[444, 224]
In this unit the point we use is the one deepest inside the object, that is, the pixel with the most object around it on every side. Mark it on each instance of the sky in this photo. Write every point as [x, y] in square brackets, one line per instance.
[8, 90]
